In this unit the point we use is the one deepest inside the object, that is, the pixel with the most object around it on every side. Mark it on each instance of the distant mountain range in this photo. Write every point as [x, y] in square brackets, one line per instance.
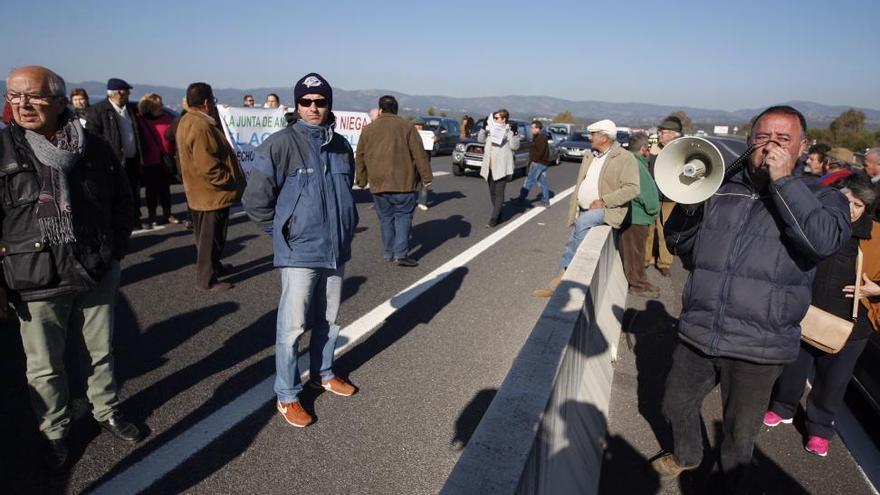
[632, 114]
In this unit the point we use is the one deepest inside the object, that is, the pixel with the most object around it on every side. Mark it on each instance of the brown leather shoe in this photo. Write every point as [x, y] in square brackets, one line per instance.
[337, 386]
[294, 414]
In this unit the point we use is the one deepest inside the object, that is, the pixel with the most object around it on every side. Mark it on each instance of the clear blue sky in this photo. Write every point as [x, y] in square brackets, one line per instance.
[730, 55]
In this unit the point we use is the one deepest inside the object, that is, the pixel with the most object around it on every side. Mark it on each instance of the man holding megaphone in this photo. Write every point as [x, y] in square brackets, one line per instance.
[751, 249]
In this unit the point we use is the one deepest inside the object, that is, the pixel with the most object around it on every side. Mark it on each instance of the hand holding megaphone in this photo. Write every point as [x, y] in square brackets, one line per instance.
[777, 160]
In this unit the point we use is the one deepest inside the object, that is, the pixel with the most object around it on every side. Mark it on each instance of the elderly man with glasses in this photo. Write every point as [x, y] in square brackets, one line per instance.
[299, 192]
[65, 219]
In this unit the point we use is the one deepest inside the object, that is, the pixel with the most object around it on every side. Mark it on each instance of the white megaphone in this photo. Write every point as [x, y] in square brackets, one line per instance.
[689, 170]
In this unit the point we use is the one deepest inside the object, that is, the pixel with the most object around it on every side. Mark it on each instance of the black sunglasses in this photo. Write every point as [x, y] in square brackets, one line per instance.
[306, 102]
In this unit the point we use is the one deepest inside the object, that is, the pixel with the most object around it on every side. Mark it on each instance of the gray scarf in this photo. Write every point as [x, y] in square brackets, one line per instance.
[58, 158]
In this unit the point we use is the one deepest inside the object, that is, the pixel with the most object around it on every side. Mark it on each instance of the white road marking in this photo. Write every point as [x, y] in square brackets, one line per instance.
[142, 474]
[146, 231]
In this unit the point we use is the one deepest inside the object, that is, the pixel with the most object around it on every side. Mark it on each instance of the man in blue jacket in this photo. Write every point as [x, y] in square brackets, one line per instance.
[299, 192]
[751, 249]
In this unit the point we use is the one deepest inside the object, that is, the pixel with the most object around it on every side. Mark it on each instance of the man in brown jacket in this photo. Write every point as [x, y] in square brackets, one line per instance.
[606, 183]
[212, 179]
[391, 158]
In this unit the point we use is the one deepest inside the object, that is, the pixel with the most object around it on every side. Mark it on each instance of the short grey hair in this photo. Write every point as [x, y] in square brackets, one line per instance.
[637, 140]
[56, 85]
[873, 151]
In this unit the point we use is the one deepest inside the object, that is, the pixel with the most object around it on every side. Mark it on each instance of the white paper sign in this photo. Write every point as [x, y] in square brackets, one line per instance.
[497, 132]
[427, 139]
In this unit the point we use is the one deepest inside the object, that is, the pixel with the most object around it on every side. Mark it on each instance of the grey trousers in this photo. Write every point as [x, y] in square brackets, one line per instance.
[45, 328]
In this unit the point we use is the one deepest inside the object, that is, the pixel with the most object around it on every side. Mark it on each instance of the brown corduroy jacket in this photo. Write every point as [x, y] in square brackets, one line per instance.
[212, 176]
[871, 266]
[390, 156]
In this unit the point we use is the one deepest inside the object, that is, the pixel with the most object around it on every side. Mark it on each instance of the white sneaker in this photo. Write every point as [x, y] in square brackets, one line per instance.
[423, 207]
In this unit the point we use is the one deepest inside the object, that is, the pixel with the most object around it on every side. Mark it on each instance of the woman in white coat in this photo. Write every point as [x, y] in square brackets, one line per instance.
[498, 162]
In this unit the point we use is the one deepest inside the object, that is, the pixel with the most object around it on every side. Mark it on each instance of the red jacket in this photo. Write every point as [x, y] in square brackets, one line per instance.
[153, 129]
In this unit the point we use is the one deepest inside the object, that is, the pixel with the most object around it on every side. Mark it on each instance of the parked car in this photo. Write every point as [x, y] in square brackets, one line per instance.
[446, 133]
[575, 147]
[468, 152]
[560, 132]
[623, 135]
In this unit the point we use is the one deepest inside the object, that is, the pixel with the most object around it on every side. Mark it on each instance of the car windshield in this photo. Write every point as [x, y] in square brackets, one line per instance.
[559, 129]
[432, 124]
[475, 129]
[622, 136]
[579, 137]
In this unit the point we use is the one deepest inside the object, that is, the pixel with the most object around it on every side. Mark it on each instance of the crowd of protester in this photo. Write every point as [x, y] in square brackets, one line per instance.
[808, 215]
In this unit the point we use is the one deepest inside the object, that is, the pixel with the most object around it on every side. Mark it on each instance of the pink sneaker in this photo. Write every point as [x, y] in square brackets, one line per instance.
[817, 445]
[772, 419]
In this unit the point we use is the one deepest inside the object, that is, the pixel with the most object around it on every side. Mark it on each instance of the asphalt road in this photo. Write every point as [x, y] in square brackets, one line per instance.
[195, 369]
[186, 361]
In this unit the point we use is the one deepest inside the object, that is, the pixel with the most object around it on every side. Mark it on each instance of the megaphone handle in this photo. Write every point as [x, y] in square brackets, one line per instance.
[738, 164]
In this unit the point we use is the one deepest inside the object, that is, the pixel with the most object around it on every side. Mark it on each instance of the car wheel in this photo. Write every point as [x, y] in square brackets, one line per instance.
[457, 169]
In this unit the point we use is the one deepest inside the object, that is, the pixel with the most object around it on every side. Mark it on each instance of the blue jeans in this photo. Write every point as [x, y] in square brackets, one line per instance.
[299, 288]
[395, 212]
[586, 220]
[537, 173]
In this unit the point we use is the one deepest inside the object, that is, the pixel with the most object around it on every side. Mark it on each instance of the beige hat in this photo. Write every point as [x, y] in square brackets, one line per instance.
[606, 126]
[841, 155]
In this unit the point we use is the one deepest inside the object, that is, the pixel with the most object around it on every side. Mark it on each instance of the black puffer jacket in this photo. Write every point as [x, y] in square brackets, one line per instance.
[103, 120]
[101, 205]
[838, 271]
[752, 259]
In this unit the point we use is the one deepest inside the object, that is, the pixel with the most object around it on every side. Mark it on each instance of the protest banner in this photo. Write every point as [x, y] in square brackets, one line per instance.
[350, 125]
[247, 128]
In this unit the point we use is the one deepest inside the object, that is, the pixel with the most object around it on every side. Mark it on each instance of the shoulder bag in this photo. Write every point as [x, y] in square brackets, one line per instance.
[827, 332]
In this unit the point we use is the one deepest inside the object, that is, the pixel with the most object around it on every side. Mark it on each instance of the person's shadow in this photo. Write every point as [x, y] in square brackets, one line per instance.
[429, 235]
[652, 334]
[436, 198]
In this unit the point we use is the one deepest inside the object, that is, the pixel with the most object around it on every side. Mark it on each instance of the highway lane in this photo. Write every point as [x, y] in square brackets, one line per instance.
[426, 374]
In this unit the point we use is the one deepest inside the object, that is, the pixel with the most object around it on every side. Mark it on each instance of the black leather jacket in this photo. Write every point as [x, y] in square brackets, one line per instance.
[101, 205]
[103, 120]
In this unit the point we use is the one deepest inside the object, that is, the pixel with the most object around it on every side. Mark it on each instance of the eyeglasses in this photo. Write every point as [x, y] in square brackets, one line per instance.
[38, 100]
[306, 102]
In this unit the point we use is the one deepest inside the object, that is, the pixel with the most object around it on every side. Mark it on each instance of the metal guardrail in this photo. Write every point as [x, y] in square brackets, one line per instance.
[544, 431]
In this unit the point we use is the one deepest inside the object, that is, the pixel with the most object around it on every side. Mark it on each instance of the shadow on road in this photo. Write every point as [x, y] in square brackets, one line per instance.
[428, 236]
[470, 417]
[437, 198]
[421, 310]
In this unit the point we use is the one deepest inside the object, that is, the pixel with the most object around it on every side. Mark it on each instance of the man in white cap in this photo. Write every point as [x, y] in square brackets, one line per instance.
[607, 181]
